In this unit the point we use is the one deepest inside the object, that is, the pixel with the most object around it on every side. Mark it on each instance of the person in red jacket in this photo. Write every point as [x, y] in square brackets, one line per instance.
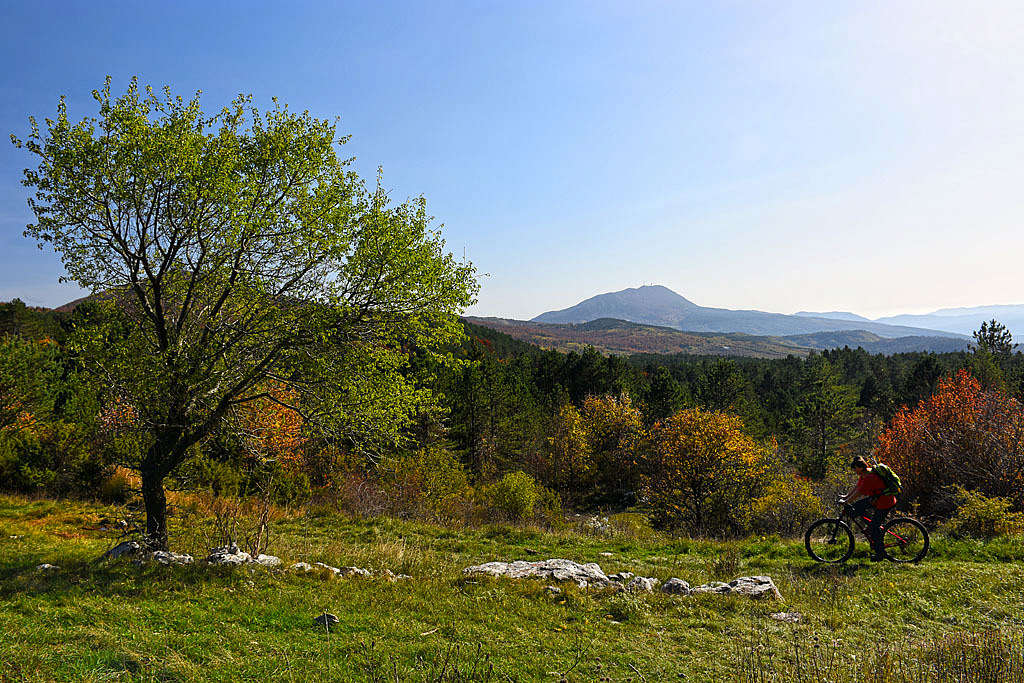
[867, 499]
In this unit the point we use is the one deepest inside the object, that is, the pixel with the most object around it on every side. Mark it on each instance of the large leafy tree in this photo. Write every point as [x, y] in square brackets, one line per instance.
[235, 252]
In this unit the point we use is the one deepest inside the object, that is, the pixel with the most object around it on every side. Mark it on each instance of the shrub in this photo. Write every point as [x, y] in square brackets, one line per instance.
[787, 506]
[632, 525]
[56, 458]
[430, 482]
[117, 487]
[703, 469]
[979, 516]
[514, 495]
[963, 435]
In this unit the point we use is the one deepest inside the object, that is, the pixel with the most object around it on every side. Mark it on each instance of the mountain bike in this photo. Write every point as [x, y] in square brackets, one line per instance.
[831, 539]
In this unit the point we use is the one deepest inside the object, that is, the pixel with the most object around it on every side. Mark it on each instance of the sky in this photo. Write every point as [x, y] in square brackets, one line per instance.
[781, 156]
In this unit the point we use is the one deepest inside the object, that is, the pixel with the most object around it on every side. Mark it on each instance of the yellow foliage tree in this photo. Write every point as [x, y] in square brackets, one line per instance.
[702, 469]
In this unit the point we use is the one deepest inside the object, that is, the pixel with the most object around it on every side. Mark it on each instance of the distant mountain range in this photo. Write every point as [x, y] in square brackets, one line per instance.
[623, 337]
[660, 306]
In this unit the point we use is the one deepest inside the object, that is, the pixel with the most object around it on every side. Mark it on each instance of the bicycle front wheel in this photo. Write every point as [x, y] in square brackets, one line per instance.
[905, 540]
[829, 540]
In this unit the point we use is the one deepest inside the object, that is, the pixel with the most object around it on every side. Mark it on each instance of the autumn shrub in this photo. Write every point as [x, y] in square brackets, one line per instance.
[703, 469]
[569, 463]
[594, 451]
[353, 492]
[512, 496]
[980, 516]
[962, 435]
[787, 506]
[615, 435]
[631, 525]
[430, 482]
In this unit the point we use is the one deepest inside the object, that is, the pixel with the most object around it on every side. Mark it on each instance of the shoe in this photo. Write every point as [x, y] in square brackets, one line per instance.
[875, 557]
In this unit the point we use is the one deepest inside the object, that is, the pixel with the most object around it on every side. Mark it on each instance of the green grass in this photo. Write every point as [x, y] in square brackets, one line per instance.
[103, 621]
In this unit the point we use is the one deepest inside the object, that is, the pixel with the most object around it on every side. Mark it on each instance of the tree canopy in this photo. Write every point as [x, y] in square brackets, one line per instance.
[234, 252]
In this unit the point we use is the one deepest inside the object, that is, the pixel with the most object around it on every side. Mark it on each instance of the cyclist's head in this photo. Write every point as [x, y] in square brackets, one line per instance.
[859, 464]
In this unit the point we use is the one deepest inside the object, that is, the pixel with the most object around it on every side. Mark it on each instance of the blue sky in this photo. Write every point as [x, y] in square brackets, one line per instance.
[780, 156]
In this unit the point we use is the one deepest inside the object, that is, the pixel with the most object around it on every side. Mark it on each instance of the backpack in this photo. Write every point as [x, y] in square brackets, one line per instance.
[893, 485]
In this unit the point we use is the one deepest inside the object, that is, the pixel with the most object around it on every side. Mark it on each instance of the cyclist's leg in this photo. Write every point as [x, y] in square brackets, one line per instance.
[863, 507]
[875, 529]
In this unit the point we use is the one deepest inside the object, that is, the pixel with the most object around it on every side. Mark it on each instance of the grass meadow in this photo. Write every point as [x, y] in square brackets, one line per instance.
[957, 616]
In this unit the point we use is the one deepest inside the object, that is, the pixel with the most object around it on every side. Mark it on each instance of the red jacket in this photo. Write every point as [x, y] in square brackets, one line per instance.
[871, 485]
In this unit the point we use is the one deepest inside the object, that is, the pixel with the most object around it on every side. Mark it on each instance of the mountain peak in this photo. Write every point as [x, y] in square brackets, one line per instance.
[656, 304]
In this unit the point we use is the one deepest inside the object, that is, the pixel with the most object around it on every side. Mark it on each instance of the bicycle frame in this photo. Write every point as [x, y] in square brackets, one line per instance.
[861, 523]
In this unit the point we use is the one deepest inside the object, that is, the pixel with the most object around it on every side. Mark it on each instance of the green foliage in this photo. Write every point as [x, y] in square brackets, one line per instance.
[30, 322]
[994, 338]
[786, 507]
[234, 249]
[514, 495]
[429, 482]
[984, 517]
[29, 374]
[56, 458]
[826, 418]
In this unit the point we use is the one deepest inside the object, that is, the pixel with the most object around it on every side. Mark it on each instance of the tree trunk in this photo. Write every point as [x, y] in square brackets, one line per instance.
[156, 508]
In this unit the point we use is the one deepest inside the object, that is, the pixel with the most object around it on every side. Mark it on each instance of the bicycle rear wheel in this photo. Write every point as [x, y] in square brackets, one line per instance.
[829, 540]
[905, 540]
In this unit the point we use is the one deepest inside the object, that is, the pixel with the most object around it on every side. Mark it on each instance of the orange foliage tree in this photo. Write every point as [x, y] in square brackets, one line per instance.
[962, 435]
[272, 430]
[703, 469]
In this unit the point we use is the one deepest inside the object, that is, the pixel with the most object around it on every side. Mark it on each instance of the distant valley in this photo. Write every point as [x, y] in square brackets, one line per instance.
[612, 336]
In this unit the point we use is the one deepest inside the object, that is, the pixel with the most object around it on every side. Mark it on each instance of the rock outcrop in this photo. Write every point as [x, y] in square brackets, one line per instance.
[585, 575]
[751, 586]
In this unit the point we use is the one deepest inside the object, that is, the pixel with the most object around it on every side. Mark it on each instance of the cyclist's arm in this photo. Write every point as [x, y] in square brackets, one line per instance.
[852, 495]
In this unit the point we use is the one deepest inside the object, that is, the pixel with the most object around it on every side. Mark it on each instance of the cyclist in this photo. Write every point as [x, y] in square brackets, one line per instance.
[868, 498]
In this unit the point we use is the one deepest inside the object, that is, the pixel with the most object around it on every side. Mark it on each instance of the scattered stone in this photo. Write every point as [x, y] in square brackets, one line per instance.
[402, 577]
[676, 587]
[301, 567]
[552, 570]
[229, 554]
[167, 557]
[268, 560]
[326, 620]
[642, 584]
[46, 567]
[752, 586]
[713, 587]
[788, 617]
[553, 590]
[353, 571]
[607, 554]
[122, 549]
[756, 587]
[321, 565]
[586, 575]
